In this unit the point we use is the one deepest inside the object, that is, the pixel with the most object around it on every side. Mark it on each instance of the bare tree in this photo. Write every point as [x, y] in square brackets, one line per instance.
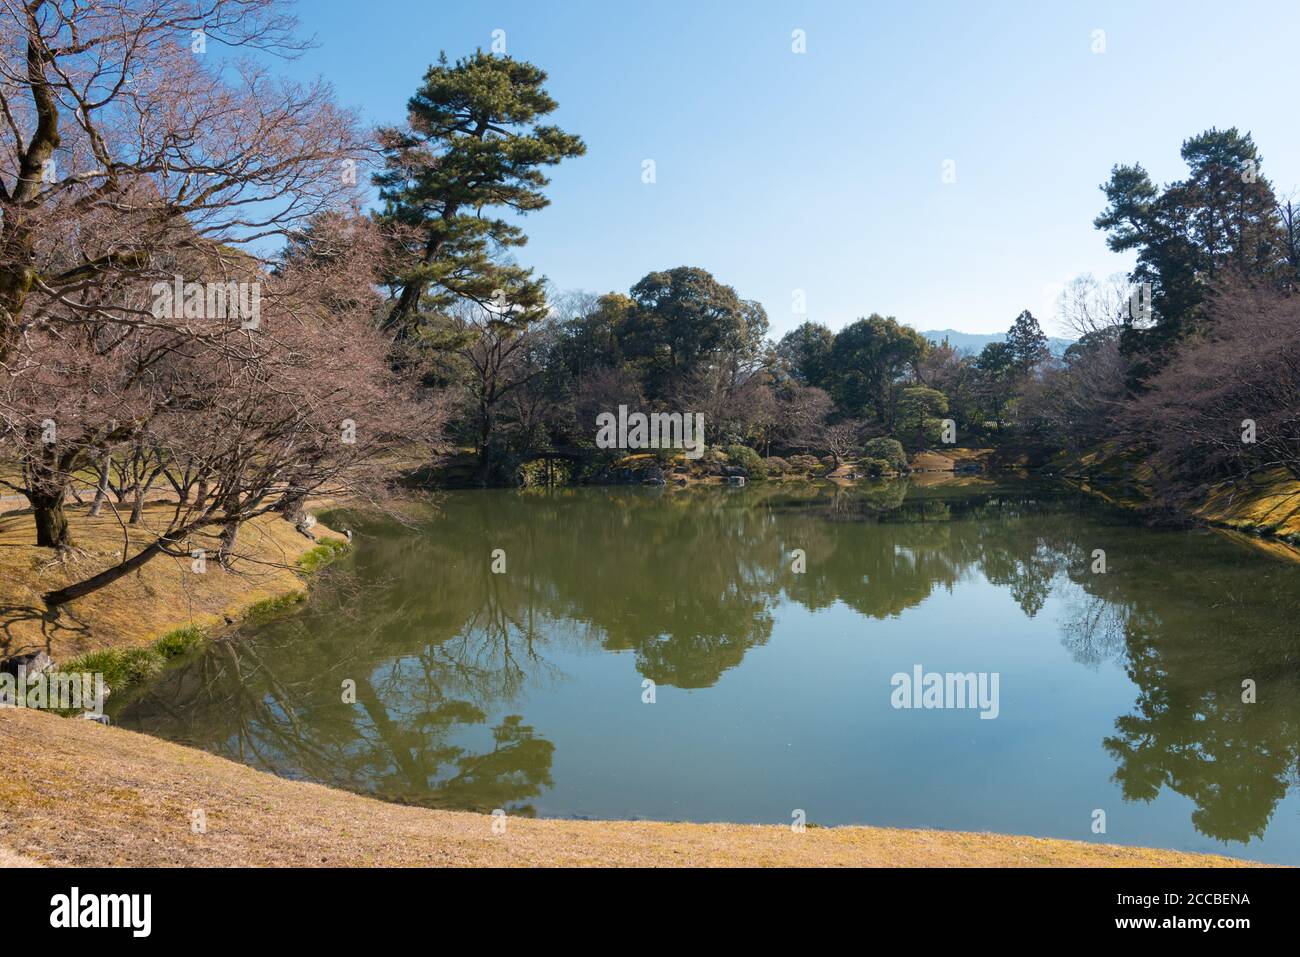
[310, 403]
[1089, 306]
[133, 160]
[841, 439]
[1225, 406]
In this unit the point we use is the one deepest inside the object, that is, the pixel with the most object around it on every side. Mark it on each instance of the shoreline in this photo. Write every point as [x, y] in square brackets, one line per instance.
[90, 761]
[103, 796]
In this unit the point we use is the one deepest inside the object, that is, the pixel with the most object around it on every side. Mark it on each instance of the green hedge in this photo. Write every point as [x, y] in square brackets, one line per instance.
[891, 450]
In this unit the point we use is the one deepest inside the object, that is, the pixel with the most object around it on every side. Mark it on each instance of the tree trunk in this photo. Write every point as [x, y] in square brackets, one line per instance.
[137, 505]
[101, 490]
[485, 435]
[104, 578]
[229, 536]
[400, 319]
[292, 509]
[51, 521]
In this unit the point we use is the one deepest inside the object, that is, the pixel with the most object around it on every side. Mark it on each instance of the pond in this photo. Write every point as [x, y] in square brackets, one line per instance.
[750, 655]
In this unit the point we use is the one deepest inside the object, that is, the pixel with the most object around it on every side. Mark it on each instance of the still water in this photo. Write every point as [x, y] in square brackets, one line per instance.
[667, 655]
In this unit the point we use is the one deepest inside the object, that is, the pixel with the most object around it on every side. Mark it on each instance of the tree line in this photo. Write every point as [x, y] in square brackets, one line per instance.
[143, 156]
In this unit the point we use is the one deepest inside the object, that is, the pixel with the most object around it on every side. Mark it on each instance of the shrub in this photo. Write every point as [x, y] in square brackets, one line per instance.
[776, 464]
[891, 450]
[268, 608]
[875, 467]
[711, 461]
[805, 463]
[124, 667]
[323, 554]
[747, 459]
[120, 669]
[181, 641]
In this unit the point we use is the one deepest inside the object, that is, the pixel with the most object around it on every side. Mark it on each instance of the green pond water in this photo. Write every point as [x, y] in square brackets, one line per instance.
[669, 655]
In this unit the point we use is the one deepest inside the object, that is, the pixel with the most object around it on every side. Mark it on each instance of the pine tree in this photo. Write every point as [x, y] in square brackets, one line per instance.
[473, 143]
[1028, 343]
[1219, 221]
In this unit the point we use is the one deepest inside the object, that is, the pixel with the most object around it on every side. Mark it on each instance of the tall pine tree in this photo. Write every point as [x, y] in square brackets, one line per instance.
[473, 144]
[1221, 220]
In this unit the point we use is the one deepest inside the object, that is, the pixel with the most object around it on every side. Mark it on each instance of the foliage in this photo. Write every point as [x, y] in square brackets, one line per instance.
[124, 667]
[805, 463]
[474, 141]
[1222, 219]
[326, 552]
[868, 359]
[747, 459]
[888, 450]
[919, 410]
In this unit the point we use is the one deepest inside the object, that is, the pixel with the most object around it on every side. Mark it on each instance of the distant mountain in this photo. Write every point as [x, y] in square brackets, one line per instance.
[973, 342]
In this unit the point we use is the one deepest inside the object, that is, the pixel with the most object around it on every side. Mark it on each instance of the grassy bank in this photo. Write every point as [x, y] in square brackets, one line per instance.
[160, 611]
[1263, 509]
[76, 793]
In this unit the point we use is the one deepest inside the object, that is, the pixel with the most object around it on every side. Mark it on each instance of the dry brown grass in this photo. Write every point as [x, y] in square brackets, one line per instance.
[1269, 502]
[162, 595]
[75, 793]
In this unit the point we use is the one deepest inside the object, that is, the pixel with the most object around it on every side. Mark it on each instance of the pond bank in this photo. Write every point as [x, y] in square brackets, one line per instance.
[1263, 510]
[162, 597]
[75, 793]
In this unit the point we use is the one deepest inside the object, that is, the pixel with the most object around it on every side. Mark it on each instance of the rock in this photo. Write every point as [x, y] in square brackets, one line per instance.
[735, 471]
[681, 470]
[654, 473]
[653, 481]
[736, 481]
[680, 482]
[97, 718]
[33, 663]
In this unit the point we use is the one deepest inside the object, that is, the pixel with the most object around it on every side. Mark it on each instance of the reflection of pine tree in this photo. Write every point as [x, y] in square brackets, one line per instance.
[1233, 760]
[518, 767]
[443, 648]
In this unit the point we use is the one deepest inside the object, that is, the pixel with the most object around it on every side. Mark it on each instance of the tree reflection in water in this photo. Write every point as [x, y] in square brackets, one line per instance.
[444, 653]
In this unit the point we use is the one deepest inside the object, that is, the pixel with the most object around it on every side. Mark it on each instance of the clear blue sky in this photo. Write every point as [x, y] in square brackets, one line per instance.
[821, 171]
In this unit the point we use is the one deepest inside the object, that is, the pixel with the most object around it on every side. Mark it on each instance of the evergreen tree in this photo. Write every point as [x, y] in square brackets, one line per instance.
[868, 359]
[473, 143]
[1222, 219]
[1028, 343]
[806, 352]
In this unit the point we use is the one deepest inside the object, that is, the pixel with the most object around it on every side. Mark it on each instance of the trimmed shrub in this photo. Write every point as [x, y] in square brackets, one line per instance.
[747, 459]
[875, 467]
[891, 450]
[805, 463]
[776, 465]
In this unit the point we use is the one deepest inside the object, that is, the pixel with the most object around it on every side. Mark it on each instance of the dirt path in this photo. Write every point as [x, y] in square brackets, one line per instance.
[73, 792]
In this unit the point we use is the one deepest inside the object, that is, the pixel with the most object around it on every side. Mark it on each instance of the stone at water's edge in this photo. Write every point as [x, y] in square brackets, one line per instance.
[34, 663]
